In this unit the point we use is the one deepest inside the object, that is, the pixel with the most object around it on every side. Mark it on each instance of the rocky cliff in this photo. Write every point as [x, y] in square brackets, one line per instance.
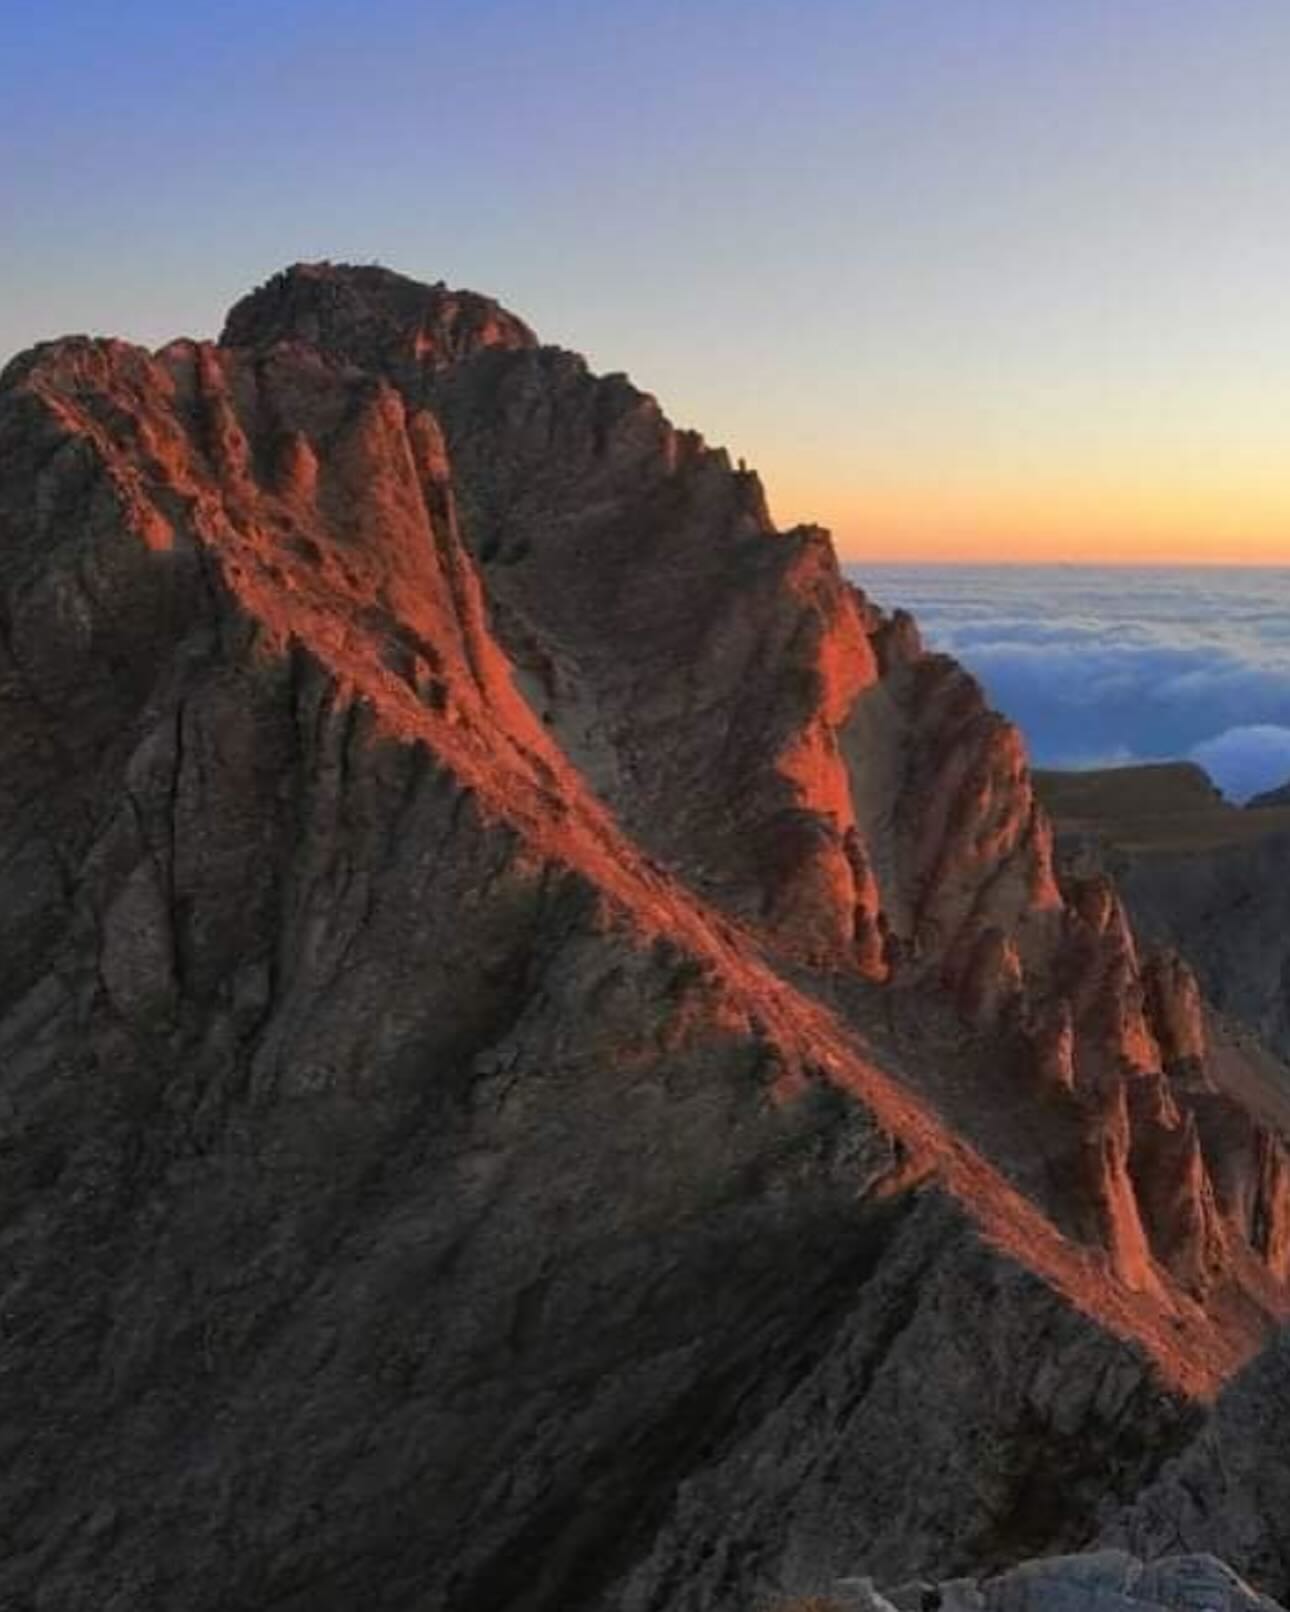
[543, 1059]
[1199, 874]
[1229, 1491]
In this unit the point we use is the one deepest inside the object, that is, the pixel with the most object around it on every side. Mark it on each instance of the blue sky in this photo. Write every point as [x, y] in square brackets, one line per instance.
[964, 278]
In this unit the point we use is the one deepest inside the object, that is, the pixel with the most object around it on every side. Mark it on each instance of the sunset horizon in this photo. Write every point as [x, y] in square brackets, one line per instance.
[984, 281]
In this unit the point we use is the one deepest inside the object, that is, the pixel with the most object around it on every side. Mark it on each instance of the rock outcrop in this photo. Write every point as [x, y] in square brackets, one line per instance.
[1093, 1581]
[543, 1061]
[1229, 1492]
[1199, 877]
[1198, 873]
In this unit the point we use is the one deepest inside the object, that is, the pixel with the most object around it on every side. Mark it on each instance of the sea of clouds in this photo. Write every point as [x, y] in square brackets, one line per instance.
[1102, 667]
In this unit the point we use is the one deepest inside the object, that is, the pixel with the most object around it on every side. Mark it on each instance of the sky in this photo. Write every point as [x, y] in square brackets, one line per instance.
[1105, 667]
[967, 280]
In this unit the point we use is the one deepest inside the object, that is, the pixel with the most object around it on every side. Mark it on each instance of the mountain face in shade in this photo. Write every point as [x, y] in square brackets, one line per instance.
[1229, 1491]
[1280, 796]
[544, 1062]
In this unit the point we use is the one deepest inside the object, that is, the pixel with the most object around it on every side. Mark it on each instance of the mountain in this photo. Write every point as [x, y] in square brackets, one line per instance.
[544, 1059]
[1199, 874]
[1280, 796]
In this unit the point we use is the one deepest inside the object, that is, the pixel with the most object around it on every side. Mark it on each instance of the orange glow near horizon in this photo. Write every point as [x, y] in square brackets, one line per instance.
[1002, 281]
[1052, 522]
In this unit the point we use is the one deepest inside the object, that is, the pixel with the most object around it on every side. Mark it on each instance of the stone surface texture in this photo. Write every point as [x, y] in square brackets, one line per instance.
[1093, 1581]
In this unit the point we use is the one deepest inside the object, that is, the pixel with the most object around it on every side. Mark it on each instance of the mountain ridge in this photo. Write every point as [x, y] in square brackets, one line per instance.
[420, 753]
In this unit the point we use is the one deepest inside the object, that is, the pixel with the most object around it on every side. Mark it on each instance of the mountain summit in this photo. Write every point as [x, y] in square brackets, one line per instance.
[544, 1060]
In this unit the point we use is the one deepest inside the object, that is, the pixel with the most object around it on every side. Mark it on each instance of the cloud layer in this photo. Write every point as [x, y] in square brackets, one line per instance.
[1104, 667]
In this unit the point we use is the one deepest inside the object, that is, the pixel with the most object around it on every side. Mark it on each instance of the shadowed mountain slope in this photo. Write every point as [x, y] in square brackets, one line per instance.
[1229, 1491]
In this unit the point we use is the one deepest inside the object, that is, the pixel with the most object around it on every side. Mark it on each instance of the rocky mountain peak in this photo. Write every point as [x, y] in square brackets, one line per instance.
[373, 318]
[542, 1044]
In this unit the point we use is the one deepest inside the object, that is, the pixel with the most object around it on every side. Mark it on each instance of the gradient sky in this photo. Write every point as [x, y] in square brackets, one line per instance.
[972, 279]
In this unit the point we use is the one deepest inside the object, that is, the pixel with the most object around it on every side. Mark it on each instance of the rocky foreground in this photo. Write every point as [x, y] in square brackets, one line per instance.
[1096, 1581]
[545, 1062]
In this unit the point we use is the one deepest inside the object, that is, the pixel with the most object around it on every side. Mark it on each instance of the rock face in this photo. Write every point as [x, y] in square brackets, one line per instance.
[767, 735]
[1198, 873]
[1230, 1491]
[543, 1061]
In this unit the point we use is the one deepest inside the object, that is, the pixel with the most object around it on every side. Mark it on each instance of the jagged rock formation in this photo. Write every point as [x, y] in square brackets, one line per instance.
[767, 734]
[1202, 879]
[527, 1003]
[1198, 874]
